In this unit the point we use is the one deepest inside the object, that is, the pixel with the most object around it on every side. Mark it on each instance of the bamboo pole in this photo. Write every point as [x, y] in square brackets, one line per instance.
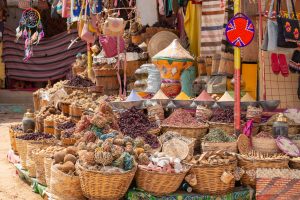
[237, 82]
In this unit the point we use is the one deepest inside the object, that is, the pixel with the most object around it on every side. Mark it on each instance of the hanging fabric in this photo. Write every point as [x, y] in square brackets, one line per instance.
[213, 15]
[75, 10]
[144, 10]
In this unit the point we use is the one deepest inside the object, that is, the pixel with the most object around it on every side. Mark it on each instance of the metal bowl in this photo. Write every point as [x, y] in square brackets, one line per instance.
[225, 104]
[116, 105]
[163, 102]
[119, 105]
[269, 105]
[182, 103]
[204, 103]
[244, 105]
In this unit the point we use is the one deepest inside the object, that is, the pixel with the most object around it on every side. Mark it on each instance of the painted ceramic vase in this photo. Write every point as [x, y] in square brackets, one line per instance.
[171, 62]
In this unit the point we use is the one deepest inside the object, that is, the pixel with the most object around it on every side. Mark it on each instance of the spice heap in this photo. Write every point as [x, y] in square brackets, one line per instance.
[203, 113]
[134, 48]
[247, 98]
[35, 136]
[46, 111]
[65, 160]
[79, 81]
[83, 100]
[66, 125]
[182, 96]
[134, 123]
[160, 162]
[218, 135]
[223, 115]
[133, 96]
[213, 158]
[182, 118]
[57, 118]
[226, 97]
[160, 95]
[204, 96]
[57, 86]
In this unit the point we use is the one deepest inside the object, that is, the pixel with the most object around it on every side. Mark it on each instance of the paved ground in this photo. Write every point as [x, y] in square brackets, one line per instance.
[11, 187]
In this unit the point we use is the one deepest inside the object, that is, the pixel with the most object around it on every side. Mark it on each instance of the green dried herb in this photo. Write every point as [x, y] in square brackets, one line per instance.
[218, 135]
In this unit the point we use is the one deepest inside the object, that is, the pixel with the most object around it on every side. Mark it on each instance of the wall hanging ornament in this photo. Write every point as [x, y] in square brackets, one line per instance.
[31, 29]
[240, 30]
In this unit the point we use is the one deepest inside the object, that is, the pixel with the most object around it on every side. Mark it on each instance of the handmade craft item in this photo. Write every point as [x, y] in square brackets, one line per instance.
[171, 62]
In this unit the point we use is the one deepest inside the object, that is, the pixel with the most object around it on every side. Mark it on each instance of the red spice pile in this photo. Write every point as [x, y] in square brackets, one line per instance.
[183, 118]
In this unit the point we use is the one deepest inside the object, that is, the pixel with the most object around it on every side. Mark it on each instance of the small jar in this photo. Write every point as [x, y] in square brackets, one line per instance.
[28, 122]
[280, 126]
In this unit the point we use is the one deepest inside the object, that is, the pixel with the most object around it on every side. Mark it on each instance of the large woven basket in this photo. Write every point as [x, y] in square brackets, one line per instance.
[227, 127]
[22, 149]
[75, 113]
[208, 178]
[97, 185]
[158, 183]
[293, 129]
[64, 186]
[31, 145]
[196, 133]
[252, 164]
[36, 101]
[265, 145]
[47, 167]
[12, 139]
[65, 108]
[39, 168]
[49, 126]
[215, 146]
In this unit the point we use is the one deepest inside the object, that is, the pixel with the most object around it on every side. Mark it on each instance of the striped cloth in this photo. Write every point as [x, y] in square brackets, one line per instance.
[212, 27]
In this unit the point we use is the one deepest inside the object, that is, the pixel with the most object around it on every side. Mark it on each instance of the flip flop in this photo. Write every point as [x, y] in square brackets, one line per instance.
[284, 68]
[275, 63]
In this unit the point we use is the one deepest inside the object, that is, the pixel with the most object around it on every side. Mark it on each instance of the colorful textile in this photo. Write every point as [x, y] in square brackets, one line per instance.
[213, 18]
[192, 26]
[240, 193]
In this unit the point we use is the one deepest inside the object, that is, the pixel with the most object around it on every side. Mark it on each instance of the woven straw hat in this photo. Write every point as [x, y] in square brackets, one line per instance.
[174, 51]
[160, 41]
[176, 148]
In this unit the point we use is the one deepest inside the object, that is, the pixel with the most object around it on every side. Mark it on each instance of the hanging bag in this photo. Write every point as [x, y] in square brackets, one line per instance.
[288, 28]
[114, 27]
[66, 8]
[86, 34]
[272, 31]
[109, 45]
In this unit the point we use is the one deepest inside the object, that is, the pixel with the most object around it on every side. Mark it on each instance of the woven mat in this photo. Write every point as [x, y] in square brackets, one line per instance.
[237, 194]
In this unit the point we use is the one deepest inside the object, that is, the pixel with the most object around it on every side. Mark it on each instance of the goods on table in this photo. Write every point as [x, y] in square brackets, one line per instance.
[254, 160]
[247, 98]
[214, 172]
[182, 96]
[163, 175]
[217, 139]
[226, 97]
[42, 114]
[66, 125]
[169, 135]
[223, 115]
[160, 95]
[203, 113]
[265, 143]
[134, 123]
[204, 96]
[79, 81]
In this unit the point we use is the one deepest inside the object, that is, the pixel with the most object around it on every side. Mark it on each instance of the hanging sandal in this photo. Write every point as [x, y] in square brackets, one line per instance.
[284, 68]
[275, 63]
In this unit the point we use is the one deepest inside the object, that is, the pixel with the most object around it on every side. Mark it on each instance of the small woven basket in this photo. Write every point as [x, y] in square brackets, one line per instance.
[265, 145]
[197, 133]
[98, 185]
[64, 186]
[32, 145]
[68, 141]
[49, 126]
[158, 183]
[294, 164]
[12, 138]
[47, 167]
[252, 164]
[65, 108]
[39, 167]
[226, 127]
[215, 146]
[208, 178]
[75, 113]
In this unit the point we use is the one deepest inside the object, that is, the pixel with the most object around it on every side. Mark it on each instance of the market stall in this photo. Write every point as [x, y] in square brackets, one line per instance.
[131, 122]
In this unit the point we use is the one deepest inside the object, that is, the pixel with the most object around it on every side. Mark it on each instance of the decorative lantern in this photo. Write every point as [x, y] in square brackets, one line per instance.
[171, 62]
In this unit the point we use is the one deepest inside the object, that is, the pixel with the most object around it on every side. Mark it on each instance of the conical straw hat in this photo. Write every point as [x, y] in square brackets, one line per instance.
[174, 51]
[160, 41]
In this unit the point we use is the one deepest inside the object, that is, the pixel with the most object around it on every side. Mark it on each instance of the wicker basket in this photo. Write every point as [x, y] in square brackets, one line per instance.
[196, 133]
[31, 145]
[47, 167]
[68, 141]
[49, 126]
[64, 186]
[104, 186]
[265, 145]
[12, 138]
[253, 164]
[36, 101]
[75, 113]
[39, 167]
[215, 146]
[158, 183]
[39, 125]
[65, 108]
[107, 77]
[294, 164]
[22, 149]
[293, 129]
[227, 127]
[208, 178]
[70, 89]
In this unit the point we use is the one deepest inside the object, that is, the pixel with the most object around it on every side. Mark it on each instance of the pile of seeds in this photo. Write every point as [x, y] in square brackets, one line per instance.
[182, 118]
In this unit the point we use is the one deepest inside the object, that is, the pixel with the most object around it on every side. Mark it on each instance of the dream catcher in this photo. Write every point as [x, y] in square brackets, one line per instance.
[31, 29]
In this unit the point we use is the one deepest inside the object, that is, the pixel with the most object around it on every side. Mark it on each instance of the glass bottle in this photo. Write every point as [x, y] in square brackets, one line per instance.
[28, 122]
[280, 126]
